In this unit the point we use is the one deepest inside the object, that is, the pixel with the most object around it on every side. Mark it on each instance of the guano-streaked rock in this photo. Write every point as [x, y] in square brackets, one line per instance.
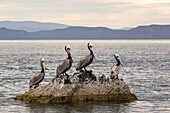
[82, 86]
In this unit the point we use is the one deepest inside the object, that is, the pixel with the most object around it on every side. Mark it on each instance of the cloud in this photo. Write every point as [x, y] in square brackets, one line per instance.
[109, 13]
[150, 1]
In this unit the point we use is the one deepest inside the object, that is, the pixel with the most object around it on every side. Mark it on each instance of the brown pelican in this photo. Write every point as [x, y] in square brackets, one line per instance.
[87, 60]
[115, 69]
[66, 65]
[38, 77]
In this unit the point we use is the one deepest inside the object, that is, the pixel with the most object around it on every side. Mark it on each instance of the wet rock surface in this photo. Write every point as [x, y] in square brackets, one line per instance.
[81, 86]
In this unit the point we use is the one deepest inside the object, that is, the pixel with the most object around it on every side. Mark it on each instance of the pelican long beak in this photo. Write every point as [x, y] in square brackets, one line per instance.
[121, 63]
[91, 48]
[68, 51]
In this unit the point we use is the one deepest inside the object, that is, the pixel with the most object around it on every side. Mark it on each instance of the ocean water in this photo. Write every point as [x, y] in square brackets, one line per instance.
[146, 70]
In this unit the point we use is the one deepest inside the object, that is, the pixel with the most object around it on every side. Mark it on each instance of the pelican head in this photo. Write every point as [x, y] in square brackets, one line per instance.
[117, 56]
[67, 49]
[42, 65]
[42, 60]
[90, 46]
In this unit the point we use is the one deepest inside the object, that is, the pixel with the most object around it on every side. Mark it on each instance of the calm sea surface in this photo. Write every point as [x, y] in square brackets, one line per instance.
[146, 70]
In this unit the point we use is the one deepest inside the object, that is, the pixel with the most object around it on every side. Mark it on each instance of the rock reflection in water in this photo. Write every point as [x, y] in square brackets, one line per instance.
[80, 107]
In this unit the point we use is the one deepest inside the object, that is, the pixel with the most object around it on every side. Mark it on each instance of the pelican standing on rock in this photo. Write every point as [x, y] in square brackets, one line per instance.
[66, 65]
[87, 60]
[115, 69]
[38, 77]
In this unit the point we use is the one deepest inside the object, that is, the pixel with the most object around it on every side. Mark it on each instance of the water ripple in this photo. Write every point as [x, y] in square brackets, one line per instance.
[146, 71]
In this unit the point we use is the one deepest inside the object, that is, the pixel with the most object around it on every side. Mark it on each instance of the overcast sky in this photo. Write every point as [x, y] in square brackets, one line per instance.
[106, 13]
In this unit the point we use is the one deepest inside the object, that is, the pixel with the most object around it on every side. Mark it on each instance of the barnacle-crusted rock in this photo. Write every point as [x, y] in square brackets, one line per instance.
[82, 86]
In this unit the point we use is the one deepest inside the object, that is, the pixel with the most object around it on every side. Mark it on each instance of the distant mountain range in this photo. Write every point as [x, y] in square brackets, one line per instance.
[31, 26]
[88, 33]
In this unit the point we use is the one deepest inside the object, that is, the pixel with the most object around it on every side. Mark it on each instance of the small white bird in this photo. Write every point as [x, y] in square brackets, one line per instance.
[115, 69]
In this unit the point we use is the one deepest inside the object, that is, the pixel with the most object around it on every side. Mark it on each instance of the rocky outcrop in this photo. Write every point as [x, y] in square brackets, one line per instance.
[82, 86]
